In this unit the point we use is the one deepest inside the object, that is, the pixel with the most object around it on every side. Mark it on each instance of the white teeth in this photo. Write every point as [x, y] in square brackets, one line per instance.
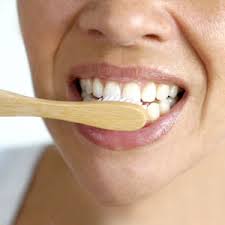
[162, 92]
[149, 92]
[132, 91]
[164, 107]
[153, 111]
[162, 97]
[172, 101]
[84, 94]
[83, 85]
[88, 98]
[174, 89]
[145, 107]
[112, 89]
[97, 88]
[88, 87]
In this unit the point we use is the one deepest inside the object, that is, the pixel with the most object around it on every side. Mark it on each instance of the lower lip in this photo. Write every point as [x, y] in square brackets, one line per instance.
[123, 140]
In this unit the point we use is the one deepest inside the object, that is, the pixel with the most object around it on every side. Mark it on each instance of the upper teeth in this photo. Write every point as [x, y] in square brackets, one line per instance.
[97, 88]
[157, 98]
[149, 92]
[163, 91]
[112, 89]
[132, 91]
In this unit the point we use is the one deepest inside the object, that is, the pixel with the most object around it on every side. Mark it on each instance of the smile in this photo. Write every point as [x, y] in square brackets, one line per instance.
[162, 95]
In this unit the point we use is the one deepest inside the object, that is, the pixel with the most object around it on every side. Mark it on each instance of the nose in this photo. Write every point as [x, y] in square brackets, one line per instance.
[126, 23]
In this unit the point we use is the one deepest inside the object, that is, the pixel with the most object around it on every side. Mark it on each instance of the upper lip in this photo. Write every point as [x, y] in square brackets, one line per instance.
[125, 73]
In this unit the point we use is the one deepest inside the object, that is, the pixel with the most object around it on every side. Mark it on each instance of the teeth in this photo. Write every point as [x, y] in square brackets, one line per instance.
[162, 97]
[112, 89]
[97, 88]
[172, 101]
[162, 92]
[83, 85]
[153, 111]
[88, 98]
[174, 89]
[164, 106]
[132, 91]
[145, 107]
[84, 94]
[89, 86]
[149, 92]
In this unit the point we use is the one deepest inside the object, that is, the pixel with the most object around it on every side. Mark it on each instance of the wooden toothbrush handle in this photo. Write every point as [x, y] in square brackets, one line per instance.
[108, 115]
[12, 104]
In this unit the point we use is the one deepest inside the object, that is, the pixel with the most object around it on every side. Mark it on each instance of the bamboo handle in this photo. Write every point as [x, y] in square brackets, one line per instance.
[107, 115]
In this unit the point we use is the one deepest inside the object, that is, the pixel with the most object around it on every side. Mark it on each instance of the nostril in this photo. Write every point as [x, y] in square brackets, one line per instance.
[152, 37]
[95, 32]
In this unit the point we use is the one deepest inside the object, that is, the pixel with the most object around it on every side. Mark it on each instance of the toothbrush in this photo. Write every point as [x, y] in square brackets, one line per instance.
[110, 115]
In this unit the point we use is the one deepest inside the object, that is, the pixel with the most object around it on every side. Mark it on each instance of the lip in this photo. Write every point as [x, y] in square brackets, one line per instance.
[124, 74]
[122, 140]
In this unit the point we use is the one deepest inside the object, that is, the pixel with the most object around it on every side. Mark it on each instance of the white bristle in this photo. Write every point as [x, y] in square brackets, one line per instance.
[111, 98]
[100, 99]
[114, 99]
[120, 100]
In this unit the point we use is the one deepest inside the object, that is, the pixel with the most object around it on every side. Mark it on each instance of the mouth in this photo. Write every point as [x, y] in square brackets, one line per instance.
[162, 95]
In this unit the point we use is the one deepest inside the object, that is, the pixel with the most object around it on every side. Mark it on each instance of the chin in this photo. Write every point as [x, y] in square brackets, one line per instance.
[116, 178]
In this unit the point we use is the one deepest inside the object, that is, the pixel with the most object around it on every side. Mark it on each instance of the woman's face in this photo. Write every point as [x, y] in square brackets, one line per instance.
[179, 43]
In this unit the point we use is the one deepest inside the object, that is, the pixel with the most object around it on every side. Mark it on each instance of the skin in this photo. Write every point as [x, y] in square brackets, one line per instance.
[150, 184]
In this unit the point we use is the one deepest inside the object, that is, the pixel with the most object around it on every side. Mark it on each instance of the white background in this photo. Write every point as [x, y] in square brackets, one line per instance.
[15, 76]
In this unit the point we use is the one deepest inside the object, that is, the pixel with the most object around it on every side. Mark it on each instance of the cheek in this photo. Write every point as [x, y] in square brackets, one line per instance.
[42, 34]
[203, 24]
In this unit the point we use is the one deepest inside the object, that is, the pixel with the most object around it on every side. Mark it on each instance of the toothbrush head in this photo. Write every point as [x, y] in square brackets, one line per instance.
[119, 99]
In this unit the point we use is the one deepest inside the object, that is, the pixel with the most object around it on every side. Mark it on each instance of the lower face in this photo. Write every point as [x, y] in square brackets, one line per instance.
[179, 95]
